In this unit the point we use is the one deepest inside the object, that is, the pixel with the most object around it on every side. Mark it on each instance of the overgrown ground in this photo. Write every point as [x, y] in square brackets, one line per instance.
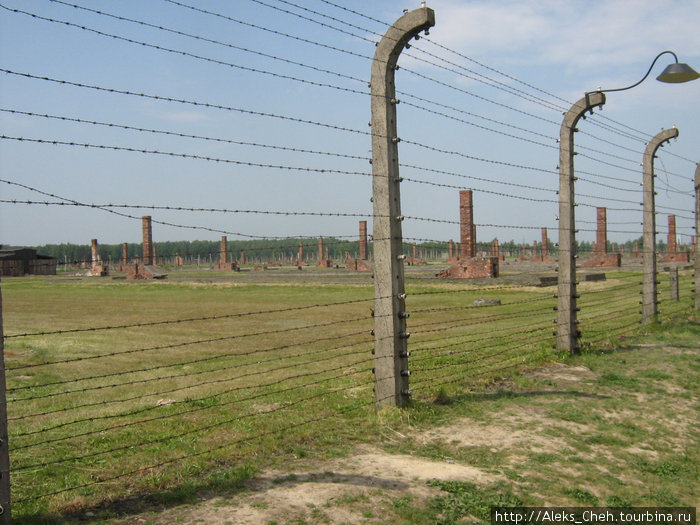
[612, 428]
[497, 415]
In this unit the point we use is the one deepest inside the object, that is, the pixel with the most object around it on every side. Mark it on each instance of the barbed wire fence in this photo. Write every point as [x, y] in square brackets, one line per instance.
[99, 410]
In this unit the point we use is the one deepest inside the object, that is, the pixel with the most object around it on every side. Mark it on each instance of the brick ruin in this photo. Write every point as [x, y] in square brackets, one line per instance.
[138, 271]
[672, 243]
[543, 255]
[97, 267]
[125, 258]
[469, 266]
[495, 251]
[147, 240]
[451, 252]
[523, 253]
[224, 263]
[545, 245]
[600, 258]
[323, 262]
[359, 265]
[147, 270]
[672, 254]
[300, 256]
[467, 230]
[363, 240]
[635, 251]
[414, 260]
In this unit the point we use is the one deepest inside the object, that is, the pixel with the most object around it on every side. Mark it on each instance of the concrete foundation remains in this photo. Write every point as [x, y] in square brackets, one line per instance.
[474, 268]
[356, 265]
[143, 272]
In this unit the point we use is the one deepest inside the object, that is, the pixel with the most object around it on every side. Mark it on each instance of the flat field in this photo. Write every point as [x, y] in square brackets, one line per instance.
[123, 394]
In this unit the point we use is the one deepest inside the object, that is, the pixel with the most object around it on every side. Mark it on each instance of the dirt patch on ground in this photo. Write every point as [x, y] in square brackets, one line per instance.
[520, 429]
[325, 492]
[559, 375]
[570, 433]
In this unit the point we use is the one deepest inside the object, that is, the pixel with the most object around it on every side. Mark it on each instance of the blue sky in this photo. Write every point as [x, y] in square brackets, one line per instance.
[511, 67]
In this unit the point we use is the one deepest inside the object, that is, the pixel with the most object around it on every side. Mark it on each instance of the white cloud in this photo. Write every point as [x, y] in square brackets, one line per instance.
[569, 33]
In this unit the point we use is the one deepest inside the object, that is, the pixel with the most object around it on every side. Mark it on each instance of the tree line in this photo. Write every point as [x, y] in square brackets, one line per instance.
[283, 249]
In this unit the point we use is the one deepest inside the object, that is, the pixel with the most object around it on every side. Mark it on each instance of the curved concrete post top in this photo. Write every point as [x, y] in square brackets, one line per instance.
[697, 177]
[587, 103]
[655, 143]
[399, 34]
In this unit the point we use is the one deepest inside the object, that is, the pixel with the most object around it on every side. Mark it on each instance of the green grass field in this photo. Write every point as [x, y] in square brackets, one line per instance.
[128, 393]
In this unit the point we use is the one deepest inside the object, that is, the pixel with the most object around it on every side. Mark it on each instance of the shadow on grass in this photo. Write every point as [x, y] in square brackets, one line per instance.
[514, 394]
[243, 480]
[222, 483]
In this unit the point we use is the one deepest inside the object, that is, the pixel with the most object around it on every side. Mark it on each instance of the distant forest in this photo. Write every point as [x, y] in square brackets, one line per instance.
[273, 250]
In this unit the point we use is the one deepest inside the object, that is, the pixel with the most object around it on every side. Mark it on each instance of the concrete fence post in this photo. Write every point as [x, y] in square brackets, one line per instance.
[5, 514]
[390, 349]
[649, 299]
[697, 238]
[567, 330]
[673, 282]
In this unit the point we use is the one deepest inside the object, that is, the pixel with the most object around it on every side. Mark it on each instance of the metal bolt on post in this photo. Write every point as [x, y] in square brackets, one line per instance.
[649, 301]
[390, 351]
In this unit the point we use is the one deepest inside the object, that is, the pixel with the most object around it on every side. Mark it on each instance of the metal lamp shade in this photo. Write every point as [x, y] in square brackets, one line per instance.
[677, 73]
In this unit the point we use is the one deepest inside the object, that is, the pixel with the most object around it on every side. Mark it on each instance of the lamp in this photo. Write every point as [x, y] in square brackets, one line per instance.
[674, 74]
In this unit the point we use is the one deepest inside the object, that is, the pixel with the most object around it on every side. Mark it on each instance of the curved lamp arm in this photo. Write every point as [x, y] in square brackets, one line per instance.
[673, 73]
[643, 79]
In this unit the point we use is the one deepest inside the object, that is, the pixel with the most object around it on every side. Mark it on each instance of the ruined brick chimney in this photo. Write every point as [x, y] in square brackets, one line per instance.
[223, 250]
[467, 230]
[672, 245]
[601, 236]
[545, 246]
[363, 240]
[147, 240]
[95, 254]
